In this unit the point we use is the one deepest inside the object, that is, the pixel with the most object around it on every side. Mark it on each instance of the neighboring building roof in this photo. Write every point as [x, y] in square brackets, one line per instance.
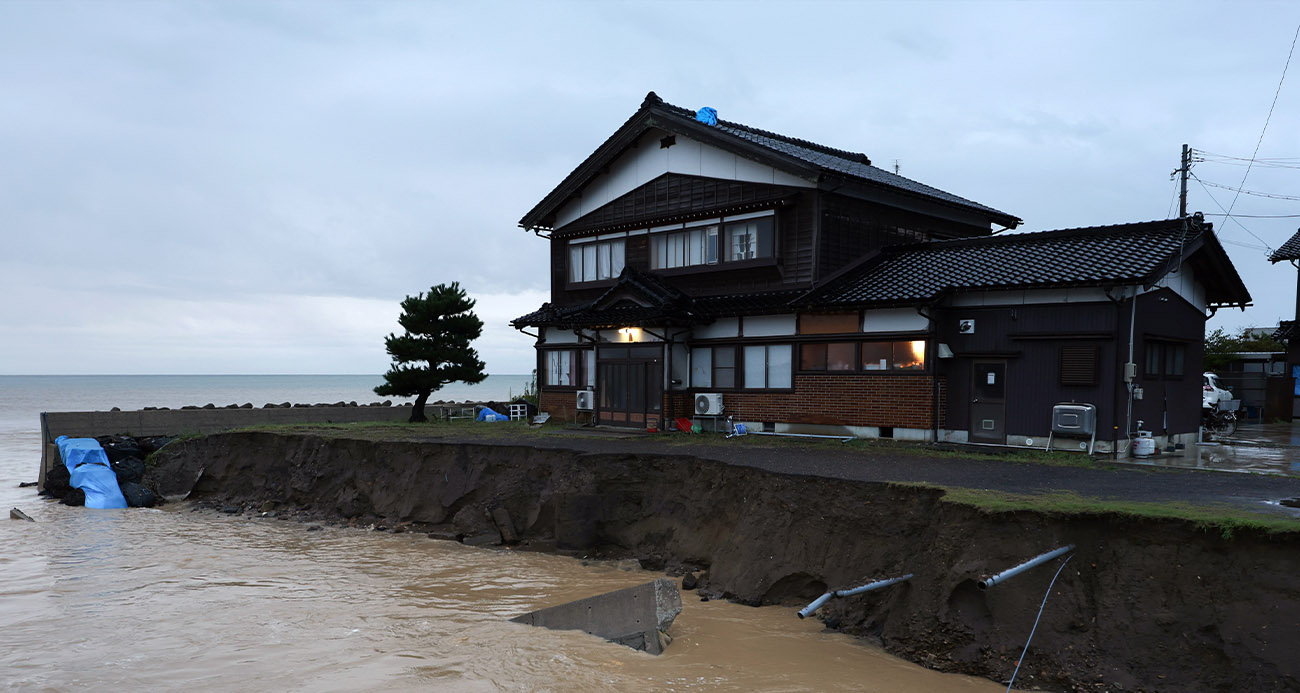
[808, 159]
[1286, 329]
[1092, 256]
[1289, 250]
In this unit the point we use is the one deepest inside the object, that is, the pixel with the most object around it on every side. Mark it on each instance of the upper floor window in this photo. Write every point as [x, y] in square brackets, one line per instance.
[729, 239]
[686, 248]
[750, 240]
[596, 260]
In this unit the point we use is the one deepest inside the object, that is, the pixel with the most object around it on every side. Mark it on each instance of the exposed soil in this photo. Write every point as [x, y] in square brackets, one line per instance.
[1152, 605]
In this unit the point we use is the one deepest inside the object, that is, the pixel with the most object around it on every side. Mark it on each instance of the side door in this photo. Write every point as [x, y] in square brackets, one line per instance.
[988, 404]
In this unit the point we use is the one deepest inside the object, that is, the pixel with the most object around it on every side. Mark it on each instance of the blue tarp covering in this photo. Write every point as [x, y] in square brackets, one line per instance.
[88, 464]
[707, 115]
[486, 414]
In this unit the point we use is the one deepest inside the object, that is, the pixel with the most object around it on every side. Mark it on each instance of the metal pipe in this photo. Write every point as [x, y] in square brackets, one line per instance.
[842, 439]
[818, 602]
[815, 605]
[1031, 563]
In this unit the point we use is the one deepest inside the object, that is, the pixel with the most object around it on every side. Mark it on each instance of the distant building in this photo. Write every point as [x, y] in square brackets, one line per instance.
[704, 269]
[1288, 331]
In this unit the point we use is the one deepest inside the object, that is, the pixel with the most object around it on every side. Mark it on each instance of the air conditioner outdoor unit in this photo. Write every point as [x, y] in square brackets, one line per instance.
[708, 404]
[586, 400]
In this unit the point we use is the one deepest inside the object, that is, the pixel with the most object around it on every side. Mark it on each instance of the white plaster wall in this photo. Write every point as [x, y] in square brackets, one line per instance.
[1183, 282]
[647, 161]
[555, 335]
[720, 329]
[770, 325]
[616, 337]
[1022, 297]
[893, 320]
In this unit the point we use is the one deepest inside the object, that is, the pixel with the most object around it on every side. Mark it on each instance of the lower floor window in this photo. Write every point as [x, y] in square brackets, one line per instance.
[713, 367]
[569, 367]
[1165, 359]
[768, 366]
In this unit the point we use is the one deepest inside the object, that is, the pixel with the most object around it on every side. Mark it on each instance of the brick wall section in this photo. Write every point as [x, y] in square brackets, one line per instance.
[558, 403]
[901, 401]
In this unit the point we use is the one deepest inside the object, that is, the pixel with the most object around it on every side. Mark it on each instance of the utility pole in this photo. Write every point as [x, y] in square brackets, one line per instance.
[1185, 166]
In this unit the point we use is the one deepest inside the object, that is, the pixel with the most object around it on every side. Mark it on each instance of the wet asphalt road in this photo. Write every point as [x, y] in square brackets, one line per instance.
[1106, 480]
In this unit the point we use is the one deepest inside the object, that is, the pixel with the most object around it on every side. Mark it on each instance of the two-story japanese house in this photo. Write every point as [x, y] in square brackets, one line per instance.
[703, 267]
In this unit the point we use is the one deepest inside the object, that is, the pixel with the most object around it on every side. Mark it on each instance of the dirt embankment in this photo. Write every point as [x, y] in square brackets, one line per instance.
[1142, 605]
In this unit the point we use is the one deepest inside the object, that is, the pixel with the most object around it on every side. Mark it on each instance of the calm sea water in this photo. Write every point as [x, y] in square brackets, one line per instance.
[168, 599]
[24, 397]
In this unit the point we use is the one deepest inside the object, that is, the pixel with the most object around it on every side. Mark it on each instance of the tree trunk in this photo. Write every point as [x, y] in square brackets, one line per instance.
[417, 410]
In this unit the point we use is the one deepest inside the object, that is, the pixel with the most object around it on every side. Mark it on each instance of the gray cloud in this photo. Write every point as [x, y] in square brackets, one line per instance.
[251, 187]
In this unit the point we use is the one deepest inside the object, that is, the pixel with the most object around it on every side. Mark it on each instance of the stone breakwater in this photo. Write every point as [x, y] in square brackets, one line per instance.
[1150, 605]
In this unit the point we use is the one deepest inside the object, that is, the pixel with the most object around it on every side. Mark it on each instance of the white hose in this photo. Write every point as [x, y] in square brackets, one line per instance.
[1031, 630]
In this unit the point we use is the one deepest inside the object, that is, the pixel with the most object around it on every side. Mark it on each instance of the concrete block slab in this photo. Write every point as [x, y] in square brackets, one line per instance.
[637, 617]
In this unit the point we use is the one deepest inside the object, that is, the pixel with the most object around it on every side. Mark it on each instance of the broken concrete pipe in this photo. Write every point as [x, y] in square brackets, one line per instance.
[818, 602]
[637, 617]
[1031, 563]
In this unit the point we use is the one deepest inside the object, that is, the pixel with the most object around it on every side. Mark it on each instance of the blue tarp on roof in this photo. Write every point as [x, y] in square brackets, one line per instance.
[88, 464]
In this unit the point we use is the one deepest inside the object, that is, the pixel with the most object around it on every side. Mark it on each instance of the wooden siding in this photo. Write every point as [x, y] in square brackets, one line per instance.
[1163, 315]
[674, 195]
[851, 228]
[1029, 338]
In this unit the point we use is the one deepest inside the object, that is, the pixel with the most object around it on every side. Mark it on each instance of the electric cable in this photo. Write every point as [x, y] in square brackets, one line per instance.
[1228, 214]
[1036, 618]
[1265, 128]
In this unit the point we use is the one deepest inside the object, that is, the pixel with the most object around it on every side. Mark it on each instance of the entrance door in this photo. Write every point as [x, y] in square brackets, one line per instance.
[629, 385]
[988, 404]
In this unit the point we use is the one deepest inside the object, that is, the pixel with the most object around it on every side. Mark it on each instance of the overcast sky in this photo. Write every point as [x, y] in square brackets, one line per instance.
[236, 187]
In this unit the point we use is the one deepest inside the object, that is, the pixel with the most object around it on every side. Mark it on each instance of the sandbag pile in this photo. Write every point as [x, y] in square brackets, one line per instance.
[104, 472]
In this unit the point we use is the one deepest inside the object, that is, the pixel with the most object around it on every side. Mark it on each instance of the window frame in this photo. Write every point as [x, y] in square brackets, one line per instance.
[580, 372]
[1169, 358]
[715, 252]
[602, 252]
[767, 367]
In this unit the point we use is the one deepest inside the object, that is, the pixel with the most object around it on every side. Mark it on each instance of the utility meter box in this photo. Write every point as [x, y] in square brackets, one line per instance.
[1074, 419]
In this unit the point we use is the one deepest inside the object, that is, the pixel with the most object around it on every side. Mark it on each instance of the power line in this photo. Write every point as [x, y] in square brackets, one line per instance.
[1253, 216]
[1228, 214]
[1256, 193]
[1252, 246]
[1276, 159]
[1268, 118]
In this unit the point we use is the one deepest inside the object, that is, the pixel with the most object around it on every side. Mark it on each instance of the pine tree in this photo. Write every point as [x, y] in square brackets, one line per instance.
[435, 350]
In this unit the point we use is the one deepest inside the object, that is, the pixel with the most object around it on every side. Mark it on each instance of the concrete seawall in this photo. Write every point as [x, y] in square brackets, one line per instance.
[176, 422]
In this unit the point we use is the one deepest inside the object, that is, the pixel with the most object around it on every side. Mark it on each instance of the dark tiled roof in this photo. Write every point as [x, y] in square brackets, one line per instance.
[744, 304]
[1289, 250]
[1093, 256]
[665, 306]
[810, 156]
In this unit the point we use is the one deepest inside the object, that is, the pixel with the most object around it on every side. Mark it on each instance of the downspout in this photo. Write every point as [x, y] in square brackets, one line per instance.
[1132, 325]
[934, 373]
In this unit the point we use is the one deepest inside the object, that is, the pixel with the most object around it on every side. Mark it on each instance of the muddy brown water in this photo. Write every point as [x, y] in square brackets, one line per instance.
[174, 599]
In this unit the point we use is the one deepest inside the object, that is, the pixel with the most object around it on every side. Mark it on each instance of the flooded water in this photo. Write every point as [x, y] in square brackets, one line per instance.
[173, 600]
[1254, 449]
